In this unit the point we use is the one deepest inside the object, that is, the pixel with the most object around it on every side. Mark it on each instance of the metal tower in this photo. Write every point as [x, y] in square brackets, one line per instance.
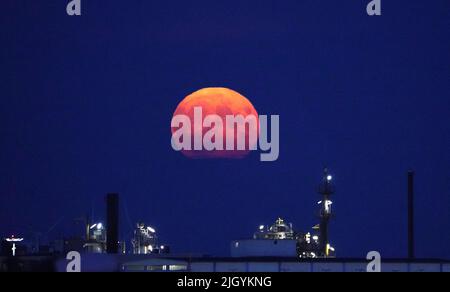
[326, 189]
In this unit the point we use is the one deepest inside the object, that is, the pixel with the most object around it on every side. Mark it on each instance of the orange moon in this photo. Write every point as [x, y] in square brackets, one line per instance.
[221, 102]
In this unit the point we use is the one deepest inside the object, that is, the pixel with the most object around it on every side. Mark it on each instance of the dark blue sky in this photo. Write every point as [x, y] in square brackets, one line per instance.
[86, 105]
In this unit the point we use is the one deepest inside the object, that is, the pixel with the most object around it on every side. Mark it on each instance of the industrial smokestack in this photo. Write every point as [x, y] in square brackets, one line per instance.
[411, 246]
[112, 227]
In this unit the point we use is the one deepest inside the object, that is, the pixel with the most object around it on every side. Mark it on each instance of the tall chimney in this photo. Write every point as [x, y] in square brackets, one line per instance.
[411, 246]
[112, 227]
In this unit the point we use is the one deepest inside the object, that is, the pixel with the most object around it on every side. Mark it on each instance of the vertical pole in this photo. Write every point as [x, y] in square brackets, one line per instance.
[411, 243]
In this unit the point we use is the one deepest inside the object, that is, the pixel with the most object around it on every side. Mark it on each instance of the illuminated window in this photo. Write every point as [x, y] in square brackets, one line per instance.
[177, 268]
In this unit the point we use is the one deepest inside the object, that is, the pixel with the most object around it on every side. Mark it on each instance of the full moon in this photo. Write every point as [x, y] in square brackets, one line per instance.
[222, 102]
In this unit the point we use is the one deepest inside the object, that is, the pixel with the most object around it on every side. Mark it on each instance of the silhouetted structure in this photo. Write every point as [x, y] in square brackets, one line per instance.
[281, 240]
[112, 227]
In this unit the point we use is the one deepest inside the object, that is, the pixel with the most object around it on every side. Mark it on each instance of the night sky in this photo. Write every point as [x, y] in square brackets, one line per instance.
[86, 104]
